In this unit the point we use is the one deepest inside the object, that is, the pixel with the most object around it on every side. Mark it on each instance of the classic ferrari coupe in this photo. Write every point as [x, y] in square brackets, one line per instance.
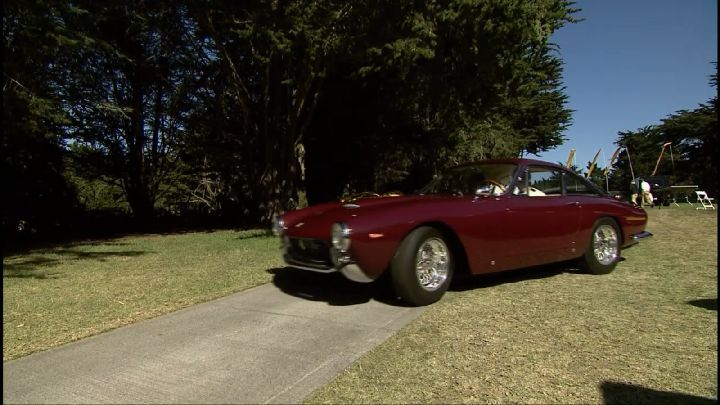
[485, 217]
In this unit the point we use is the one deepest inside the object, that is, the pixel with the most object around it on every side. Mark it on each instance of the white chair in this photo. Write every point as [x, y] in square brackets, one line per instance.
[702, 198]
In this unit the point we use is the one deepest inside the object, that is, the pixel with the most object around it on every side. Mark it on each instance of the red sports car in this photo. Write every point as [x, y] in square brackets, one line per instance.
[485, 217]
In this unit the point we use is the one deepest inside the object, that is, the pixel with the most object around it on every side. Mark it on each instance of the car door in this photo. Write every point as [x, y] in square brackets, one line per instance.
[591, 201]
[542, 218]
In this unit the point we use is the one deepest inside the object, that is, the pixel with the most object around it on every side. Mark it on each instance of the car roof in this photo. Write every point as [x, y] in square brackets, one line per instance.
[517, 161]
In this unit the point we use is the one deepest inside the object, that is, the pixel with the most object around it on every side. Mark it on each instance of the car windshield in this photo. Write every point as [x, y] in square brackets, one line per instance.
[479, 179]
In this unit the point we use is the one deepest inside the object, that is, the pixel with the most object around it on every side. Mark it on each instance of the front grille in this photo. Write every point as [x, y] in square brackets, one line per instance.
[309, 252]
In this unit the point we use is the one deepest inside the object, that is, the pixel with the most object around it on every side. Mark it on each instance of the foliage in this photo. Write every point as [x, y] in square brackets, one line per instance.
[266, 64]
[36, 196]
[239, 110]
[125, 89]
[694, 138]
[449, 82]
[691, 158]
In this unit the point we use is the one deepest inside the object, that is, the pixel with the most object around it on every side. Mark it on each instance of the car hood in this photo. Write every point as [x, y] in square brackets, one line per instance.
[316, 221]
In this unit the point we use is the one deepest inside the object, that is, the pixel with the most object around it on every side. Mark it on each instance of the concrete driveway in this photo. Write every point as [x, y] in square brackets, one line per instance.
[272, 344]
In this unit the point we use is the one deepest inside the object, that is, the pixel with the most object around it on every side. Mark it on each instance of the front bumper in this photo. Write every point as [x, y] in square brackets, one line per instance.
[329, 261]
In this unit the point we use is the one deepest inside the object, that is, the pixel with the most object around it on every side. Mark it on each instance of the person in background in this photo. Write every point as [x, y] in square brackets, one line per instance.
[647, 197]
[634, 190]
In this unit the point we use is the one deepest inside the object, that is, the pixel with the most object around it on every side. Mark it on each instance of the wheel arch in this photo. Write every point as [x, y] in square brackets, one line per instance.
[455, 245]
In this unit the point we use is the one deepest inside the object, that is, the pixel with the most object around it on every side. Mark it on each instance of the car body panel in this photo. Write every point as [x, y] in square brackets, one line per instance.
[496, 232]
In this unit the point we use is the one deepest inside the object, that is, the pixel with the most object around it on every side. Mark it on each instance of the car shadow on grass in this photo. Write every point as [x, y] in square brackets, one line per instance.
[464, 282]
[332, 288]
[335, 289]
[622, 393]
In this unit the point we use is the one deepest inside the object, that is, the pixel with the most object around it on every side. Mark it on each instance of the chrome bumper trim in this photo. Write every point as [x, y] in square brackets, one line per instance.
[306, 266]
[315, 269]
[351, 271]
[354, 272]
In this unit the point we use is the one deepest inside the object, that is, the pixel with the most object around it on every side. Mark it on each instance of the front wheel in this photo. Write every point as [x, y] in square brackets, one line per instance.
[422, 267]
[603, 253]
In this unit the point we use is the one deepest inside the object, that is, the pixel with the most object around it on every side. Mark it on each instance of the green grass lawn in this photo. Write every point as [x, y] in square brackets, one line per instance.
[56, 295]
[645, 333]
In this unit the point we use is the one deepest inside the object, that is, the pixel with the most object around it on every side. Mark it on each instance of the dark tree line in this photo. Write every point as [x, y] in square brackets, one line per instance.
[240, 110]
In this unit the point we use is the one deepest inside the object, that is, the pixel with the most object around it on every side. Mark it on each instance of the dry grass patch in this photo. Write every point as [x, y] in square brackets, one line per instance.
[57, 295]
[646, 333]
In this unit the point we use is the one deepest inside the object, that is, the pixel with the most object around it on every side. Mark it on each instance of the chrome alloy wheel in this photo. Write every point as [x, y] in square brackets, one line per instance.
[432, 263]
[605, 244]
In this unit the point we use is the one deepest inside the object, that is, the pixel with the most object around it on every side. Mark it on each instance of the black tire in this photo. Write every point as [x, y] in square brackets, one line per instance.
[406, 278]
[603, 252]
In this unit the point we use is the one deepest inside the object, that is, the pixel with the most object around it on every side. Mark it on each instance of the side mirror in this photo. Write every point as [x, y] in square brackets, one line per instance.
[485, 189]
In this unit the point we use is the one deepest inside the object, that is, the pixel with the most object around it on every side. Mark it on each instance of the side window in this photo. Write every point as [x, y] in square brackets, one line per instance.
[543, 181]
[575, 184]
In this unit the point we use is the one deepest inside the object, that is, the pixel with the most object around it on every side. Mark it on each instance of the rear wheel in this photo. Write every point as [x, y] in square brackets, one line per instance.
[422, 267]
[603, 253]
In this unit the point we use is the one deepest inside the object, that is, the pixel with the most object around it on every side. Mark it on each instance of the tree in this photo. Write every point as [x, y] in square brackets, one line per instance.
[36, 196]
[693, 136]
[271, 60]
[240, 106]
[694, 139]
[125, 90]
[425, 85]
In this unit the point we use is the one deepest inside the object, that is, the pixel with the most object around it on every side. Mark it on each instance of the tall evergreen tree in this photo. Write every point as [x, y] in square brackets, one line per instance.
[245, 96]
[126, 91]
[36, 196]
[271, 60]
[425, 85]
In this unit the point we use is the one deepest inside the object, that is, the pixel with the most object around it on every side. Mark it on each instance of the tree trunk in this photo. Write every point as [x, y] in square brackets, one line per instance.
[137, 188]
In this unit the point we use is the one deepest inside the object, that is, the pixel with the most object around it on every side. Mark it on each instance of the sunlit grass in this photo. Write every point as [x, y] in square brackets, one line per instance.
[550, 335]
[559, 336]
[56, 295]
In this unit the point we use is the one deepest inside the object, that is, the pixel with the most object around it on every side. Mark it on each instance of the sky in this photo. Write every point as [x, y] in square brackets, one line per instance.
[630, 64]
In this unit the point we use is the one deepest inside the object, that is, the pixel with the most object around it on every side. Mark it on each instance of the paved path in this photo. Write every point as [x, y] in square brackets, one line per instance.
[272, 344]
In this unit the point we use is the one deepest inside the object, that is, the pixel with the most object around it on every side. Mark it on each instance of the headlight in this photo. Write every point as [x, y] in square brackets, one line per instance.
[341, 237]
[278, 226]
